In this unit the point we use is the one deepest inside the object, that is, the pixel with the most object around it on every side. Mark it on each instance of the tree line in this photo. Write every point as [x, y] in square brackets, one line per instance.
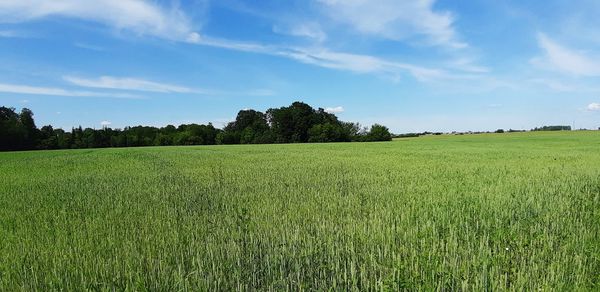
[552, 128]
[297, 123]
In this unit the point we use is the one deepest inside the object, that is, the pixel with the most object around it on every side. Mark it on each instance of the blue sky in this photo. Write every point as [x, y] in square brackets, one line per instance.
[412, 65]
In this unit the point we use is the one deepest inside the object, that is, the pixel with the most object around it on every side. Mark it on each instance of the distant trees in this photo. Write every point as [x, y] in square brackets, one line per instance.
[297, 123]
[552, 128]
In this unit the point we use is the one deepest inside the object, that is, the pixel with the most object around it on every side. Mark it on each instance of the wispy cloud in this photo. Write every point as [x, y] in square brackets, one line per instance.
[105, 123]
[391, 19]
[468, 65]
[560, 58]
[335, 110]
[232, 45]
[310, 30]
[387, 18]
[109, 82]
[259, 92]
[396, 19]
[135, 84]
[326, 58]
[594, 106]
[89, 47]
[9, 34]
[361, 63]
[34, 90]
[137, 16]
[555, 85]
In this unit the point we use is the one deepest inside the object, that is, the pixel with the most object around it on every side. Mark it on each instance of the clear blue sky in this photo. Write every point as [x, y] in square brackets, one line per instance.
[412, 65]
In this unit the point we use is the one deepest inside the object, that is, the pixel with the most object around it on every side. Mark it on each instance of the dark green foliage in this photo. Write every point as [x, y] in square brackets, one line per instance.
[552, 128]
[291, 124]
[328, 133]
[17, 131]
[378, 133]
[30, 131]
[249, 127]
[408, 135]
[297, 123]
[300, 123]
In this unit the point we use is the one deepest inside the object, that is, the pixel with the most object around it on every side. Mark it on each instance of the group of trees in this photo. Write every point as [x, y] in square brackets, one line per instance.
[552, 128]
[297, 123]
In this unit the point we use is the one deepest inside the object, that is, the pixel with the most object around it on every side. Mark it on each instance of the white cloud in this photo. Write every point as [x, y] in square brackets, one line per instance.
[594, 106]
[26, 89]
[396, 19]
[148, 18]
[105, 123]
[232, 45]
[361, 63]
[335, 110]
[193, 37]
[566, 60]
[109, 82]
[138, 16]
[387, 18]
[309, 30]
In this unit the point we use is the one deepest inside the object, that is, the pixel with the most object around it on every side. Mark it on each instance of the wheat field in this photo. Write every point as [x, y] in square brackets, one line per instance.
[518, 211]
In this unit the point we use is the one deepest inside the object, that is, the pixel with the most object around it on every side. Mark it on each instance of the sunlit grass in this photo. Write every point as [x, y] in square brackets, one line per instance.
[511, 211]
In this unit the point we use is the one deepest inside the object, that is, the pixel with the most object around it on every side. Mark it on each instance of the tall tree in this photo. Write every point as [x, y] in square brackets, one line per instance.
[249, 127]
[291, 124]
[12, 133]
[31, 131]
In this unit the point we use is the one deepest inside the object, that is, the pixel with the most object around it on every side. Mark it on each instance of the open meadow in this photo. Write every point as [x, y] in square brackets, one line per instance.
[516, 211]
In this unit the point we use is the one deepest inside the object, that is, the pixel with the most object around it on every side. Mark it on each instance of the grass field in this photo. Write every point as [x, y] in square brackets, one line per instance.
[498, 211]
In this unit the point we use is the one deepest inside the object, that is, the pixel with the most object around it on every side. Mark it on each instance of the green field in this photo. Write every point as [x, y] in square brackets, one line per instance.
[497, 211]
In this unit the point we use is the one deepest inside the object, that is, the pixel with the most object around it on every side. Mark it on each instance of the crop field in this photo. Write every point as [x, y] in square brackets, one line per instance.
[517, 211]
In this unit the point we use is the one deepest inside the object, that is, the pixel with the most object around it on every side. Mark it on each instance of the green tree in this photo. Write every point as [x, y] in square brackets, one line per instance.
[291, 124]
[378, 133]
[30, 130]
[327, 133]
[12, 133]
[249, 127]
[48, 138]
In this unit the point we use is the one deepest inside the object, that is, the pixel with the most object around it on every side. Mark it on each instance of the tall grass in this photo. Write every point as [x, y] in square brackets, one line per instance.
[482, 212]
